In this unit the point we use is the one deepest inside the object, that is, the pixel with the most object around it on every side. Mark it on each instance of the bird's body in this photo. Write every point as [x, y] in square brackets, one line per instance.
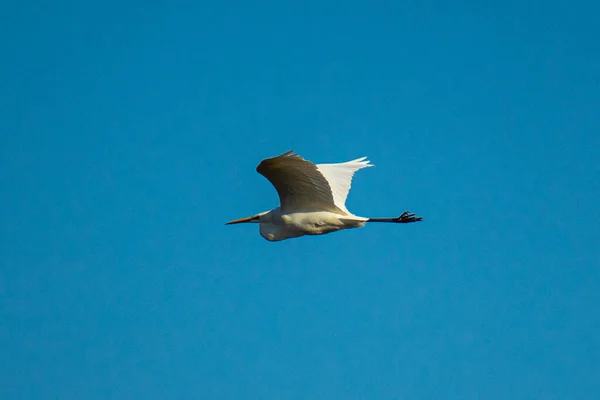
[276, 225]
[312, 198]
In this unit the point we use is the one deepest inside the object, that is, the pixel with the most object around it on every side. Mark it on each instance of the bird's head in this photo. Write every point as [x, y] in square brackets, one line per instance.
[257, 218]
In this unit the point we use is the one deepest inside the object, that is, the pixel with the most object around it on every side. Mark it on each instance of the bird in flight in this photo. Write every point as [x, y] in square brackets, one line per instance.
[312, 198]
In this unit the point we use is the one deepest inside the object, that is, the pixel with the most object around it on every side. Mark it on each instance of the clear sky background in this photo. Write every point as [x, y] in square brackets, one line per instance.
[130, 132]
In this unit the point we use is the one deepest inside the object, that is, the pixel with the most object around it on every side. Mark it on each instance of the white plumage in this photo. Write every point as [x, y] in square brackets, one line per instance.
[339, 176]
[312, 198]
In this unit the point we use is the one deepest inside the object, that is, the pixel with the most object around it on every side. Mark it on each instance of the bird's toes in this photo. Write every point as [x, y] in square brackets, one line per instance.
[405, 214]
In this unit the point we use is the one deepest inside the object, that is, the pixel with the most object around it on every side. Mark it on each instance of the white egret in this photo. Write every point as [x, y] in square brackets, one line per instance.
[312, 198]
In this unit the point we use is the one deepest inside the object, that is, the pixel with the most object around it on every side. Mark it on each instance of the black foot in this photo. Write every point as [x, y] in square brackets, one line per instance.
[407, 217]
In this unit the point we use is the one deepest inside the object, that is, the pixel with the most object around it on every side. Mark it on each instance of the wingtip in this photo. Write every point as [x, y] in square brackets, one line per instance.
[362, 160]
[365, 162]
[286, 154]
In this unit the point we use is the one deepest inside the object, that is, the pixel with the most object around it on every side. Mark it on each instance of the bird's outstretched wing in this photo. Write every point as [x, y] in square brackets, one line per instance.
[305, 186]
[339, 176]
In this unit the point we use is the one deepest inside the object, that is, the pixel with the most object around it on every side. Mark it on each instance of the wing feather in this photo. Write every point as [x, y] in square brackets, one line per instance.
[339, 176]
[299, 183]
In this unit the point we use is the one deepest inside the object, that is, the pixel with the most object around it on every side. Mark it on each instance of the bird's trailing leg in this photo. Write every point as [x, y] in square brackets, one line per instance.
[405, 218]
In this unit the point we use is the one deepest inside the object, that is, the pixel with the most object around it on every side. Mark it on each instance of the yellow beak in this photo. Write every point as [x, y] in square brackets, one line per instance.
[241, 220]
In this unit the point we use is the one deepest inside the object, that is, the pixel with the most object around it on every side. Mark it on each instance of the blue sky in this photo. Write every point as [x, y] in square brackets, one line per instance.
[130, 133]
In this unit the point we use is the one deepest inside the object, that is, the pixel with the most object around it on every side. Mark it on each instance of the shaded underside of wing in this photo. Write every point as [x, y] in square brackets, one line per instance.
[299, 184]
